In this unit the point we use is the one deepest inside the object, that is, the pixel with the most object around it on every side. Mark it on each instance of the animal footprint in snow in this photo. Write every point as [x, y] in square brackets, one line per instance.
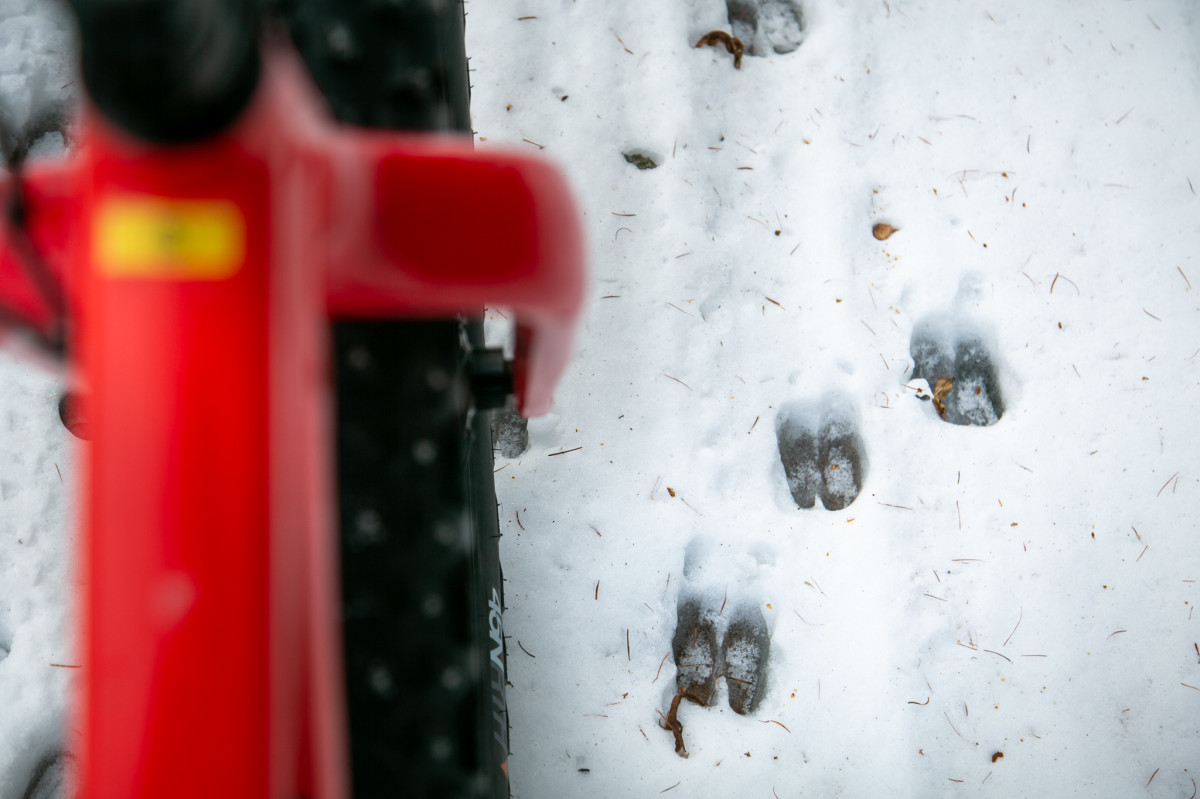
[709, 642]
[822, 453]
[742, 656]
[695, 649]
[767, 25]
[960, 372]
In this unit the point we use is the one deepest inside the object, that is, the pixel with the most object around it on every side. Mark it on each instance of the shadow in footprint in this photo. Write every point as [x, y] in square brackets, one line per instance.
[956, 363]
[767, 26]
[6, 639]
[822, 453]
[695, 650]
[52, 777]
[744, 655]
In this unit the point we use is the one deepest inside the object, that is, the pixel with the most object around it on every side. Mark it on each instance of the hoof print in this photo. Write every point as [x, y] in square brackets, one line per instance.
[961, 373]
[767, 26]
[510, 431]
[822, 454]
[840, 462]
[798, 452]
[695, 649]
[745, 654]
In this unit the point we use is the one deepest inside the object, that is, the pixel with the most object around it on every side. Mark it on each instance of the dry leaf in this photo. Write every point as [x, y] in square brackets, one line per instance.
[940, 389]
[732, 44]
[883, 231]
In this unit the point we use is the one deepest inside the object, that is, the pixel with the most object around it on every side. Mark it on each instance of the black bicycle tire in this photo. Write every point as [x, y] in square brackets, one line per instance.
[422, 587]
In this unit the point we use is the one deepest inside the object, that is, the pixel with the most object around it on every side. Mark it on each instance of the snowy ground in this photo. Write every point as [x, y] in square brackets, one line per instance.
[1025, 588]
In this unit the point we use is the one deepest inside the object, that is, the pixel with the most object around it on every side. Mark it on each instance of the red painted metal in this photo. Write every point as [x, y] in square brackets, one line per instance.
[203, 278]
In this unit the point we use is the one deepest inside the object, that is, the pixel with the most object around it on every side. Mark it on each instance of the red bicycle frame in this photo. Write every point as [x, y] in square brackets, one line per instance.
[200, 280]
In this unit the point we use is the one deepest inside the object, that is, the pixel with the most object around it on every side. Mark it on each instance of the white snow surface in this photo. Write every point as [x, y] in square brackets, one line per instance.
[1026, 588]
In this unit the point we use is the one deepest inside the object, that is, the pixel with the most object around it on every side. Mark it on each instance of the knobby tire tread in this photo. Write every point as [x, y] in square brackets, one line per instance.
[422, 590]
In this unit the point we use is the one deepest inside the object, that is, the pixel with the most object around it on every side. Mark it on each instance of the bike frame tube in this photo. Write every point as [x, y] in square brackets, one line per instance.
[203, 278]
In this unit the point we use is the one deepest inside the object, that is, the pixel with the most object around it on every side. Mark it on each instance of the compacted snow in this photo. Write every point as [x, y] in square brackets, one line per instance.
[1005, 609]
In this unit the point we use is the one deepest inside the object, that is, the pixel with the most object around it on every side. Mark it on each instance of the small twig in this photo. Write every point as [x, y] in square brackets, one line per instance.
[951, 723]
[628, 653]
[1057, 275]
[65, 666]
[1152, 776]
[614, 33]
[920, 704]
[519, 520]
[526, 651]
[673, 724]
[1185, 277]
[676, 307]
[1164, 486]
[751, 430]
[676, 785]
[680, 382]
[1152, 316]
[535, 144]
[993, 652]
[597, 597]
[1116, 632]
[564, 452]
[658, 673]
[1014, 631]
[773, 721]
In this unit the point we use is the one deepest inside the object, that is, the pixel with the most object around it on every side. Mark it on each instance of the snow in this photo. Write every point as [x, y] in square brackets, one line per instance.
[1025, 587]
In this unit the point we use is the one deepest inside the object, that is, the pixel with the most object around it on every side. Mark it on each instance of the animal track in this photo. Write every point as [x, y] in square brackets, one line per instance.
[742, 657]
[510, 431]
[960, 371]
[710, 642]
[822, 453]
[695, 650]
[767, 26]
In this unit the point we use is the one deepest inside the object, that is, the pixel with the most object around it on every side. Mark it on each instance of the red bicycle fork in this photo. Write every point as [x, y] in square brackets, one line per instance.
[200, 281]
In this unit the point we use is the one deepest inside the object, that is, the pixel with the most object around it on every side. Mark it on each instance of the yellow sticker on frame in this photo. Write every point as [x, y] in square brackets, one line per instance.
[168, 239]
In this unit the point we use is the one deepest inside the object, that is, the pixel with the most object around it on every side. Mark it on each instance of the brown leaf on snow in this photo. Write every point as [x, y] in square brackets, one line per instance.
[940, 389]
[732, 44]
[883, 231]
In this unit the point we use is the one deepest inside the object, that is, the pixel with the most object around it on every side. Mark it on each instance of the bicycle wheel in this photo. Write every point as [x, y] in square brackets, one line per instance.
[425, 655]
